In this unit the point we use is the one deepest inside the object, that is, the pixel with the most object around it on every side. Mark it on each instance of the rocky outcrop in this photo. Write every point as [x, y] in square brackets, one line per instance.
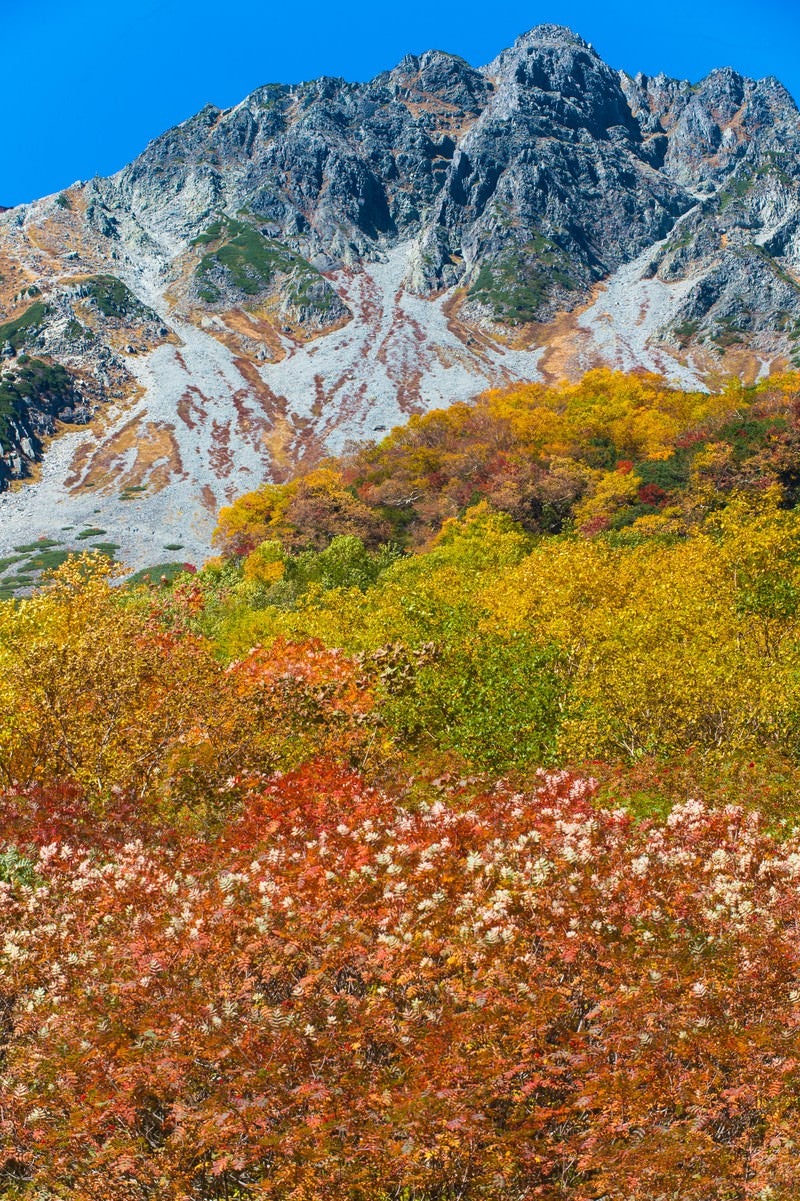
[736, 142]
[524, 182]
[435, 218]
[551, 189]
[34, 397]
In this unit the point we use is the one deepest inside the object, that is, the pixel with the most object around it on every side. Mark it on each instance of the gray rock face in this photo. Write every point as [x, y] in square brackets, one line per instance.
[523, 183]
[552, 188]
[704, 129]
[34, 396]
[737, 142]
[332, 168]
[542, 144]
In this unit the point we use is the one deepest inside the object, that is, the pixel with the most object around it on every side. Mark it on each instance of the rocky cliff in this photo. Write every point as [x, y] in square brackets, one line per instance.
[266, 281]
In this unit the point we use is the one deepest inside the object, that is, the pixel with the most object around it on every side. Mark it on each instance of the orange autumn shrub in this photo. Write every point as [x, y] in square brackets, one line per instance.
[117, 694]
[513, 995]
[548, 455]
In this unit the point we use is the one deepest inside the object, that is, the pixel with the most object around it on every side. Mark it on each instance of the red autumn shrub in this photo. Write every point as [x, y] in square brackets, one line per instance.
[651, 494]
[513, 996]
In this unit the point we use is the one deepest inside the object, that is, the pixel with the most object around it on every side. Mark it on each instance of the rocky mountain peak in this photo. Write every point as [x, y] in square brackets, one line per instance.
[438, 77]
[541, 35]
[772, 87]
[323, 258]
[555, 74]
[711, 125]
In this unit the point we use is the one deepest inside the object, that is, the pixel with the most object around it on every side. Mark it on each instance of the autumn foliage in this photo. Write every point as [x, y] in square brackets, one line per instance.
[596, 455]
[304, 514]
[111, 696]
[502, 995]
[298, 898]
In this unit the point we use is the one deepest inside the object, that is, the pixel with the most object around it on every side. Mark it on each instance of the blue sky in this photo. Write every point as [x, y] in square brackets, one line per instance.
[85, 84]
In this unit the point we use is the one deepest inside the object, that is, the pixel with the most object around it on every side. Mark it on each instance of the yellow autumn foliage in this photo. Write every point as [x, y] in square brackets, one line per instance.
[98, 686]
[265, 564]
[667, 642]
[613, 490]
[637, 413]
[92, 691]
[692, 643]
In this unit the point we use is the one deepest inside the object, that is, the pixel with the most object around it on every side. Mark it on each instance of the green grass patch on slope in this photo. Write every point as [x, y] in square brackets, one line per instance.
[34, 547]
[20, 331]
[157, 574]
[517, 284]
[23, 569]
[113, 298]
[250, 261]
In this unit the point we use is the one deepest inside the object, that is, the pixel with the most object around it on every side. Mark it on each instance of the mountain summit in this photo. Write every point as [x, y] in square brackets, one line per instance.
[267, 281]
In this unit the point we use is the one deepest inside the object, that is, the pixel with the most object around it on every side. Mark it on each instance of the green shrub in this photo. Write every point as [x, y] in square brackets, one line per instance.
[21, 330]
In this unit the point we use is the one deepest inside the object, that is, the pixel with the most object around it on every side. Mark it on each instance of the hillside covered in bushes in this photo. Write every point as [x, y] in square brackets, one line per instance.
[438, 840]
